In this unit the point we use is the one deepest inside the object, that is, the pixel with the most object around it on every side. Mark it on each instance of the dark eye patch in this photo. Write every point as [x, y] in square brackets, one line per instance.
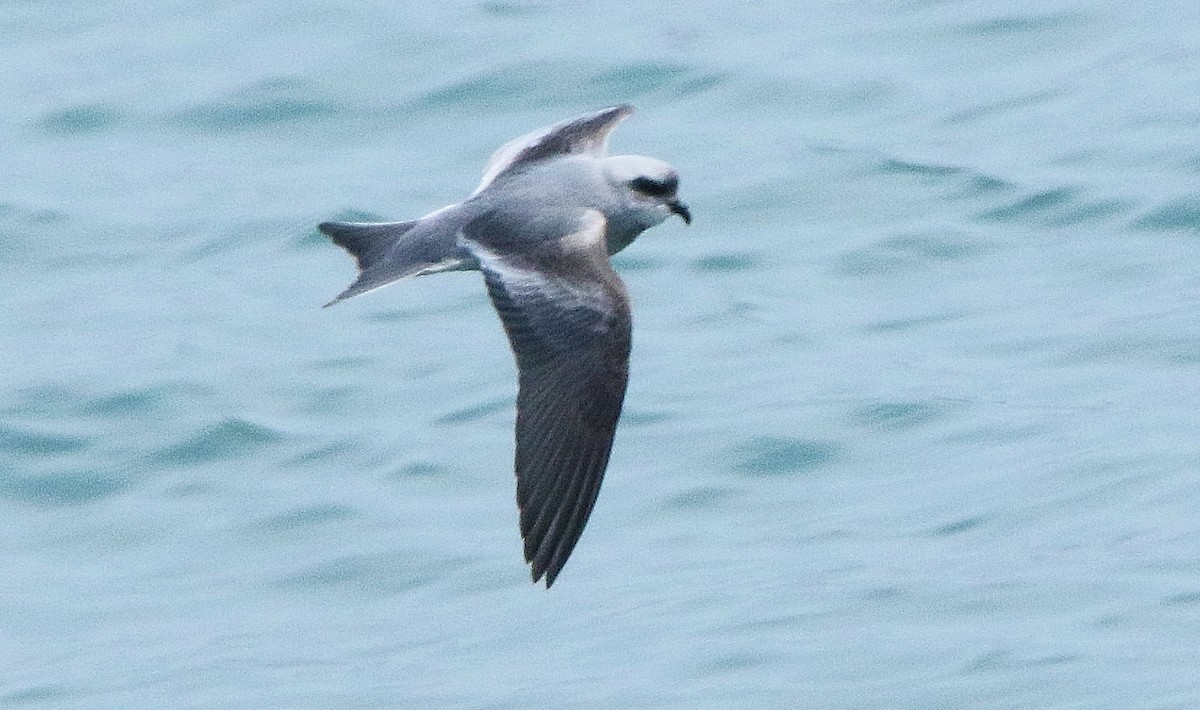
[655, 188]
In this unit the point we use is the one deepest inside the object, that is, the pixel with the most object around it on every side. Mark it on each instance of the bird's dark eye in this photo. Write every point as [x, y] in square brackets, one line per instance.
[655, 188]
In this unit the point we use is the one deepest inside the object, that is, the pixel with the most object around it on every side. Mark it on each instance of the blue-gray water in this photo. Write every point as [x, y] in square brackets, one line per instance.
[914, 418]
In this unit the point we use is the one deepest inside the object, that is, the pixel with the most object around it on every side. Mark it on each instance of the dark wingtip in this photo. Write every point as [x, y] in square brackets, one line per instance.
[542, 573]
[537, 570]
[541, 569]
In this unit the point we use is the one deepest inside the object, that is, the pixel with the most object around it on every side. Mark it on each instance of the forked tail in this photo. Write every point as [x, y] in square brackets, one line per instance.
[369, 244]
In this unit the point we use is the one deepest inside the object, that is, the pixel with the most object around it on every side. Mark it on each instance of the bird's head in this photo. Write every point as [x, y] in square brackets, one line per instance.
[649, 187]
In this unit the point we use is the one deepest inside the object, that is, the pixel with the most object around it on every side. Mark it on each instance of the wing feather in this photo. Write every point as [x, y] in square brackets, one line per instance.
[566, 314]
[586, 134]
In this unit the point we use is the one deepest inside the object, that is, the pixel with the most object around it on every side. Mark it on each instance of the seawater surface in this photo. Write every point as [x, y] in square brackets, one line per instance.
[914, 410]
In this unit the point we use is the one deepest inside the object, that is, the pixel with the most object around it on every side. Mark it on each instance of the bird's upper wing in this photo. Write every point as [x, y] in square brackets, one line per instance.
[567, 317]
[586, 135]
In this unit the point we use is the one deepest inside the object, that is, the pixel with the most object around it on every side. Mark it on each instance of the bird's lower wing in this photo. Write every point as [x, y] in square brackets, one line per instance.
[566, 314]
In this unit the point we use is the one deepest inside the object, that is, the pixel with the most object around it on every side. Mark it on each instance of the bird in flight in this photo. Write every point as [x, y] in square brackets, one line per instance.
[550, 210]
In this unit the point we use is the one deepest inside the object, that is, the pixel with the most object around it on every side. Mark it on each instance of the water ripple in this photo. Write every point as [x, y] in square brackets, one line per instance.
[962, 183]
[329, 452]
[1035, 204]
[230, 439]
[775, 456]
[68, 403]
[421, 469]
[893, 416]
[1181, 215]
[1012, 104]
[956, 527]
[60, 489]
[543, 83]
[699, 498]
[725, 263]
[913, 322]
[897, 166]
[80, 120]
[35, 695]
[475, 412]
[734, 662]
[906, 252]
[381, 574]
[1188, 599]
[1050, 22]
[266, 103]
[510, 9]
[1057, 207]
[19, 225]
[629, 263]
[307, 517]
[34, 443]
[129, 402]
[999, 659]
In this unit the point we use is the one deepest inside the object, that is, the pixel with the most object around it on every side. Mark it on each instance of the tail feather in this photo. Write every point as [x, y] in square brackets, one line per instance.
[367, 242]
[390, 251]
[371, 280]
